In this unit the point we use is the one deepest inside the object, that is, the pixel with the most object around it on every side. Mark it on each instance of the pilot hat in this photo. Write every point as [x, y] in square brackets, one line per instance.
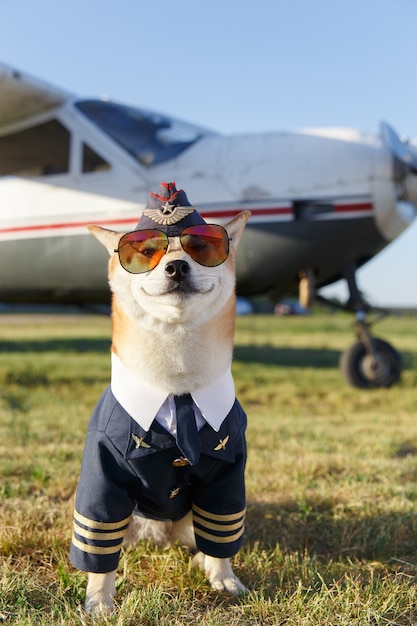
[168, 210]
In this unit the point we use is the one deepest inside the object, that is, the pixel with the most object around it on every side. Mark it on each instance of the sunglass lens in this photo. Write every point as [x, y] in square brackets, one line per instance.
[141, 250]
[207, 244]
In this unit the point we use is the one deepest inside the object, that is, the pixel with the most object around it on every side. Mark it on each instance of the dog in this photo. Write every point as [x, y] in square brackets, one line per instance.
[149, 470]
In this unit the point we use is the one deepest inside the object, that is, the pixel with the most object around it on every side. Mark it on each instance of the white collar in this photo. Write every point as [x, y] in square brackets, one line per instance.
[142, 400]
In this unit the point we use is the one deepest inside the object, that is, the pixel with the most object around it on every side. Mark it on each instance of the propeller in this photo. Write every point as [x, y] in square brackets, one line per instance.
[401, 150]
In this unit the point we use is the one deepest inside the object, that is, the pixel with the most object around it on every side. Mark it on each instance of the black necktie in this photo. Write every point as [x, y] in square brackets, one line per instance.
[188, 439]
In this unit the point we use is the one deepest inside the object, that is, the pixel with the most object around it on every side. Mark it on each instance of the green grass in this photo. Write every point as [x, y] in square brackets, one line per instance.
[332, 481]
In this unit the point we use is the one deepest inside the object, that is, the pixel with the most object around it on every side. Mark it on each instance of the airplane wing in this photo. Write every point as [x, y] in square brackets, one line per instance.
[22, 96]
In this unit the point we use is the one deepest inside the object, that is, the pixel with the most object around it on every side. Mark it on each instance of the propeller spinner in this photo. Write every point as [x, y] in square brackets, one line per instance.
[406, 155]
[401, 150]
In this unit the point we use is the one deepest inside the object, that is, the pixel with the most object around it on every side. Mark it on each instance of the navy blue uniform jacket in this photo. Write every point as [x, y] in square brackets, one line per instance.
[126, 469]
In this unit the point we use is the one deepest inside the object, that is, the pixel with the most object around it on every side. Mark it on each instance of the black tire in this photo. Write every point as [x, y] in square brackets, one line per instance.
[361, 370]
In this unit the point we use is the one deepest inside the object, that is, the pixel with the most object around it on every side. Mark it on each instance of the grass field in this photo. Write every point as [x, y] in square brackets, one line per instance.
[332, 527]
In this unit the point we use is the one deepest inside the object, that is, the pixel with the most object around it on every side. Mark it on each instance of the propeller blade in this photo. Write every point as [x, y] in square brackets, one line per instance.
[401, 150]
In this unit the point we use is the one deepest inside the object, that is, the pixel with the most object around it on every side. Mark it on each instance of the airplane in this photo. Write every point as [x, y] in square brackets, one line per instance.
[323, 201]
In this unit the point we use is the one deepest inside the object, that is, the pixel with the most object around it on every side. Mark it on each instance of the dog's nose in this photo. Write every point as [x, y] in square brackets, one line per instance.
[177, 270]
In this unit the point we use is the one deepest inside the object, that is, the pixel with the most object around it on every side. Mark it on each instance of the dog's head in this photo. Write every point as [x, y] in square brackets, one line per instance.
[174, 268]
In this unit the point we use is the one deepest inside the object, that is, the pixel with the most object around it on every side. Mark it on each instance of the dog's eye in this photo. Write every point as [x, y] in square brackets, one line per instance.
[149, 252]
[195, 243]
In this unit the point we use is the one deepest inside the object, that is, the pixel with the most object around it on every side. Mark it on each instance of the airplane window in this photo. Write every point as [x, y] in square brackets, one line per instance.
[151, 138]
[37, 151]
[93, 162]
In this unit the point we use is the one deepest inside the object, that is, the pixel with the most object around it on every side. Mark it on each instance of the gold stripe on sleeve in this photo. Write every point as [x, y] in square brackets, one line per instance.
[94, 549]
[219, 527]
[101, 525]
[98, 536]
[219, 518]
[216, 539]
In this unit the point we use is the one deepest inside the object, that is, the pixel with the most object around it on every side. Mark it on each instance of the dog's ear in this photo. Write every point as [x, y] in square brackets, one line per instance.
[236, 227]
[109, 238]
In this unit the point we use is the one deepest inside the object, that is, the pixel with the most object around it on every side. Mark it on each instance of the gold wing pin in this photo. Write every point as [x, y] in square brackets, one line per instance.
[168, 214]
[140, 441]
[222, 443]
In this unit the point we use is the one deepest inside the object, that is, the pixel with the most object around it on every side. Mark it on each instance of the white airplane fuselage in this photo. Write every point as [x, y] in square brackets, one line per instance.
[323, 201]
[320, 199]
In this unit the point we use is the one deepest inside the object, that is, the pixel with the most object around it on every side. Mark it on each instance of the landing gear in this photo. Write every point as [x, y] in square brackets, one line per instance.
[370, 363]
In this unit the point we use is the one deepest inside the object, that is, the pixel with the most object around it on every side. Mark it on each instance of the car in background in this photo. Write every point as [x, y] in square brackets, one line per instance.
[243, 306]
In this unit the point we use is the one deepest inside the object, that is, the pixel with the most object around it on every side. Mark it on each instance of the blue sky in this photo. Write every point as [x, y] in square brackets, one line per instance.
[238, 67]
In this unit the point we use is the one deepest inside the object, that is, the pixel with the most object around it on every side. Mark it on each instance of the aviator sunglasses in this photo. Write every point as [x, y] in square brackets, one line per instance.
[141, 250]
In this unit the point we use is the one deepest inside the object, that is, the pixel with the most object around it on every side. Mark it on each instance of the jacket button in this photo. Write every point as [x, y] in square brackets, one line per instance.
[180, 462]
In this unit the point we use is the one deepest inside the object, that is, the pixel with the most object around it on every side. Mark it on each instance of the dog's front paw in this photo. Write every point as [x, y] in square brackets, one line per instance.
[96, 607]
[221, 576]
[230, 585]
[100, 593]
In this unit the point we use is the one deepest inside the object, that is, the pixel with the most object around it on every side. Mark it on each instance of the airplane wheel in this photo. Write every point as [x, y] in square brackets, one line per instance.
[360, 369]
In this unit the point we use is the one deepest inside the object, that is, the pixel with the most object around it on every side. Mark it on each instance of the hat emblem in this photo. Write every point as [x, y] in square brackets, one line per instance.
[168, 213]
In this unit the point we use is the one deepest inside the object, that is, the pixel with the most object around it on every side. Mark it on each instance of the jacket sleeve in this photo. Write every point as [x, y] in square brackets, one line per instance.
[219, 504]
[103, 506]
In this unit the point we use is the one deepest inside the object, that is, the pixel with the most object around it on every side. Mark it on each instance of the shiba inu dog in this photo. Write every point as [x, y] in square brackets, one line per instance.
[165, 450]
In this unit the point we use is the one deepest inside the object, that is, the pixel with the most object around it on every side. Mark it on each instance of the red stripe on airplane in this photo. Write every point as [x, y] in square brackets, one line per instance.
[38, 227]
[209, 214]
[283, 211]
[234, 212]
[343, 208]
